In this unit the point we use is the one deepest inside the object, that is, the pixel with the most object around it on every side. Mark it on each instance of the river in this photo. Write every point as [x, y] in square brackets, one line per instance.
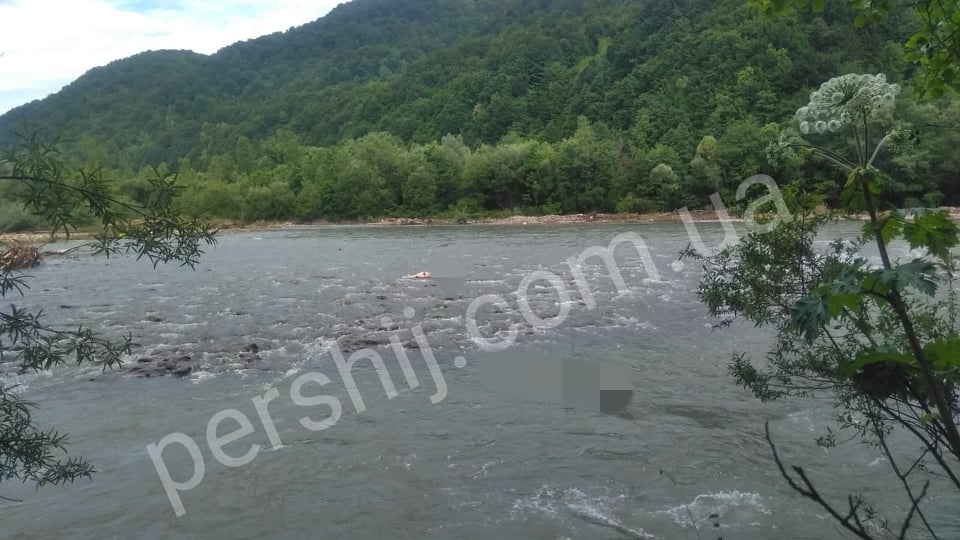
[477, 464]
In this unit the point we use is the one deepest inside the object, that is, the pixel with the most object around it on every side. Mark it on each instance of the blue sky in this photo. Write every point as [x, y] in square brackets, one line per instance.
[46, 44]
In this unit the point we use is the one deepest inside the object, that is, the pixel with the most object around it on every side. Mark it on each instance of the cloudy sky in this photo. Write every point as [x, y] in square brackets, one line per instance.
[45, 44]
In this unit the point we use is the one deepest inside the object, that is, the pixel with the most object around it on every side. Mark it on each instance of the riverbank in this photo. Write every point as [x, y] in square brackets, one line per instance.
[564, 219]
[233, 226]
[697, 216]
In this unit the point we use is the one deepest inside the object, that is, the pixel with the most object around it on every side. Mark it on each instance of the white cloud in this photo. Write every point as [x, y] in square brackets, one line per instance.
[46, 44]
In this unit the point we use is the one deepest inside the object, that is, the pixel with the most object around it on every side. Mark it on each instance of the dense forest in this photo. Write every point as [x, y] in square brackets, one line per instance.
[419, 107]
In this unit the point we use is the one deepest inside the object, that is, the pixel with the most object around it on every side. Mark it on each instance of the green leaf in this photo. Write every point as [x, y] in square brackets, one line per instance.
[918, 274]
[845, 292]
[810, 314]
[839, 303]
[849, 369]
[870, 176]
[891, 227]
[934, 231]
[851, 196]
[944, 354]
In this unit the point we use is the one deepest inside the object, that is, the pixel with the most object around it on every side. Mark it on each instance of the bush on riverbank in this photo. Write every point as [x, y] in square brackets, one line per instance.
[15, 218]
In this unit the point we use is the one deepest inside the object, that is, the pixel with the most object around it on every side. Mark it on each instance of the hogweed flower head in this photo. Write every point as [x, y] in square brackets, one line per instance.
[842, 99]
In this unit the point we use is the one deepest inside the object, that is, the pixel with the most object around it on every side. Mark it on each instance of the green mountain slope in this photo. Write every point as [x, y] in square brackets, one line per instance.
[638, 82]
[423, 68]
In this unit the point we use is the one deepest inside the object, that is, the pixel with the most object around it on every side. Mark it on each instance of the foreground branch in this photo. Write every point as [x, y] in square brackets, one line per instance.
[851, 521]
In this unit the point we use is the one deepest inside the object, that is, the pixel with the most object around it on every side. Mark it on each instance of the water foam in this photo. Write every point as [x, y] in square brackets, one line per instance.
[707, 504]
[595, 510]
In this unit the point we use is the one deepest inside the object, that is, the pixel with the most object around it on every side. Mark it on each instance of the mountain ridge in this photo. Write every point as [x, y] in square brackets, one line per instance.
[413, 106]
[308, 77]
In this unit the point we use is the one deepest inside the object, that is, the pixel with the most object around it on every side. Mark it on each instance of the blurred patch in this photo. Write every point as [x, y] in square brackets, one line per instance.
[448, 273]
[571, 382]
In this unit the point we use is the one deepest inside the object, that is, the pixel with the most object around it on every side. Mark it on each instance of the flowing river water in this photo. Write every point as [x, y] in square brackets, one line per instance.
[479, 463]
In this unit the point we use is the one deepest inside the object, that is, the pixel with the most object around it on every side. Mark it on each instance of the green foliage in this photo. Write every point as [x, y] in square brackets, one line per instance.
[419, 192]
[631, 204]
[28, 454]
[14, 217]
[881, 339]
[935, 46]
[65, 197]
[570, 105]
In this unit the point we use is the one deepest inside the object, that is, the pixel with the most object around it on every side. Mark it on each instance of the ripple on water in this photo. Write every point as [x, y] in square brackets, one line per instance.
[735, 505]
[267, 294]
[572, 503]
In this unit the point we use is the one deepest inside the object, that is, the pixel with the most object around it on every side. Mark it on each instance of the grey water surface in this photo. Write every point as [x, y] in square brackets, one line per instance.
[479, 463]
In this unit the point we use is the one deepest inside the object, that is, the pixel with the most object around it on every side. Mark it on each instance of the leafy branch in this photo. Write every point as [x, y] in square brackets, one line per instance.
[61, 195]
[882, 339]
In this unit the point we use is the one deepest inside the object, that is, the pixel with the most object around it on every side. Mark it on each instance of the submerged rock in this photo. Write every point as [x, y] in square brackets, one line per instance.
[178, 366]
[175, 364]
[349, 343]
[250, 354]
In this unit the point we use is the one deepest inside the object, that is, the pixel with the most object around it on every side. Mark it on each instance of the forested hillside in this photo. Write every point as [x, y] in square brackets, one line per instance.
[419, 106]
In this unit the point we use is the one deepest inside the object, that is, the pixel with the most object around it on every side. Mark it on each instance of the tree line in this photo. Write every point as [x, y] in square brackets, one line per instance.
[596, 169]
[653, 79]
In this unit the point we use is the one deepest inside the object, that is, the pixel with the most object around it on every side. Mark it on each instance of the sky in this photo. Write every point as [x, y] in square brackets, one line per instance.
[46, 44]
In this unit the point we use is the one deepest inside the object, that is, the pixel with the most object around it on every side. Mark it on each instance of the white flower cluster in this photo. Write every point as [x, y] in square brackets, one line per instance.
[842, 99]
